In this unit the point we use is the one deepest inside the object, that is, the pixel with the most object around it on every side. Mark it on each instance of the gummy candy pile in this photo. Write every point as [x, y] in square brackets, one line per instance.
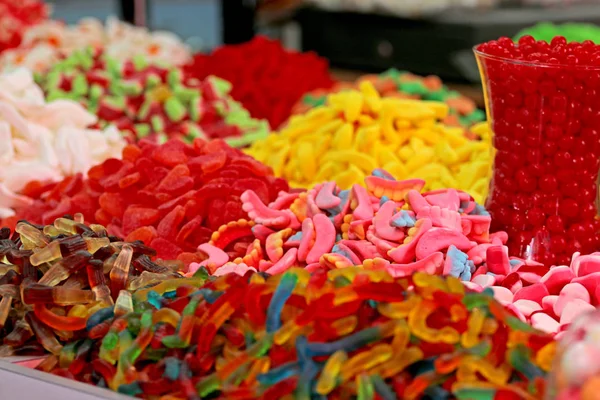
[44, 140]
[58, 279]
[16, 17]
[439, 232]
[348, 332]
[170, 196]
[359, 131]
[267, 79]
[405, 85]
[145, 100]
[47, 43]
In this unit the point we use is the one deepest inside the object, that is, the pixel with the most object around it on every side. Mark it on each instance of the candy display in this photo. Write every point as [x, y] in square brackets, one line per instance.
[16, 18]
[49, 42]
[575, 370]
[145, 100]
[389, 225]
[549, 299]
[44, 140]
[572, 32]
[394, 83]
[59, 279]
[542, 102]
[170, 196]
[348, 333]
[267, 79]
[358, 131]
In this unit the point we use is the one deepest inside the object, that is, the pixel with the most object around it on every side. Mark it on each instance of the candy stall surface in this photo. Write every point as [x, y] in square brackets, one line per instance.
[146, 100]
[44, 140]
[394, 83]
[17, 17]
[359, 131]
[348, 332]
[542, 102]
[170, 196]
[267, 79]
[50, 41]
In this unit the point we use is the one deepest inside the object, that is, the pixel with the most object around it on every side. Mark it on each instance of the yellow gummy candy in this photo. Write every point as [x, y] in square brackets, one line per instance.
[357, 131]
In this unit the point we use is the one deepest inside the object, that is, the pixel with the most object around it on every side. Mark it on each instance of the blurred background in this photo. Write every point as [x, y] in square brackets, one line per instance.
[356, 36]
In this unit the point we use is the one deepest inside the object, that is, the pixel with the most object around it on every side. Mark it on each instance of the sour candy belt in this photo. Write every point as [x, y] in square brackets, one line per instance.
[331, 335]
[56, 280]
[146, 100]
[359, 131]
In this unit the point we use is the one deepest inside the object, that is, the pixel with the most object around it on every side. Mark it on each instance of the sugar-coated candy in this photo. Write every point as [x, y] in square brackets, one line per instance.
[359, 131]
[58, 281]
[405, 85]
[389, 225]
[50, 41]
[346, 333]
[542, 100]
[17, 18]
[148, 101]
[267, 79]
[45, 140]
[171, 196]
[575, 371]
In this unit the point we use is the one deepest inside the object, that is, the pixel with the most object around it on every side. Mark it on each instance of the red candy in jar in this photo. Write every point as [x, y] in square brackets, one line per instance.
[543, 105]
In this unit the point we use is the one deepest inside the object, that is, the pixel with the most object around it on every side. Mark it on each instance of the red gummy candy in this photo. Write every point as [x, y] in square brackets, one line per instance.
[171, 207]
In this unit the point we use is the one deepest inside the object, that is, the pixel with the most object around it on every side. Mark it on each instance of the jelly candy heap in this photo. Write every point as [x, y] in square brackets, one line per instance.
[267, 79]
[57, 280]
[170, 196]
[146, 100]
[402, 84]
[359, 131]
[348, 332]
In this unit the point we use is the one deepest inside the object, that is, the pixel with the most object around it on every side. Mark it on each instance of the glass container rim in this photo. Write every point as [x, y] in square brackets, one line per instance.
[524, 63]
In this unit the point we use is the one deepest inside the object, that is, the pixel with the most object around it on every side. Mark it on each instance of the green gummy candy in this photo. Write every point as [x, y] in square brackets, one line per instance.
[174, 109]
[475, 394]
[414, 87]
[144, 110]
[194, 131]
[185, 94]
[56, 94]
[142, 130]
[139, 62]
[158, 125]
[110, 341]
[222, 87]
[196, 108]
[132, 88]
[573, 32]
[174, 77]
[96, 91]
[80, 85]
[153, 80]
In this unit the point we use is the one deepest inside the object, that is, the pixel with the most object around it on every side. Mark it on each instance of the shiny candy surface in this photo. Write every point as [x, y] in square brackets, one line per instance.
[343, 333]
[542, 103]
[359, 131]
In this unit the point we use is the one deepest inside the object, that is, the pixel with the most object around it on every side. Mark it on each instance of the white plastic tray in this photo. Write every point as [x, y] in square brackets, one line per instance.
[18, 382]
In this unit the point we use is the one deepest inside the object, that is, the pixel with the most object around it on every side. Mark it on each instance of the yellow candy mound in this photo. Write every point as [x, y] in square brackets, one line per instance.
[358, 131]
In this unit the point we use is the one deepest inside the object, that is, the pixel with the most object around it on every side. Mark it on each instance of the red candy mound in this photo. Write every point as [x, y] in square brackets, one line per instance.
[267, 79]
[15, 17]
[170, 196]
[557, 52]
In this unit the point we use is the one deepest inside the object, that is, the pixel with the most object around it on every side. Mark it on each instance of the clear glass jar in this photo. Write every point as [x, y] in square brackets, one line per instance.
[546, 142]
